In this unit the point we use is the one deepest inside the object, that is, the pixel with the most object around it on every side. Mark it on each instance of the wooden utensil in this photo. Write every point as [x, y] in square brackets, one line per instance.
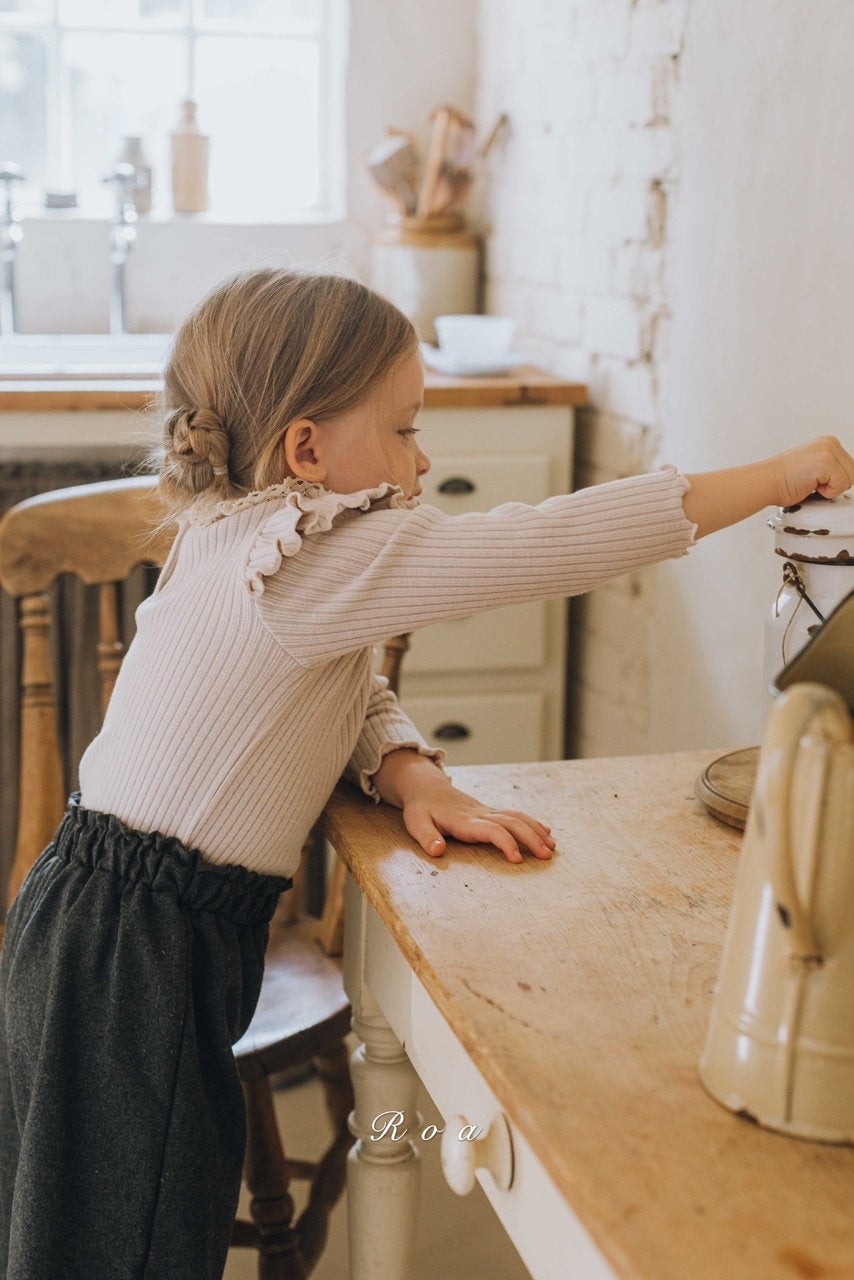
[452, 179]
[393, 164]
[435, 158]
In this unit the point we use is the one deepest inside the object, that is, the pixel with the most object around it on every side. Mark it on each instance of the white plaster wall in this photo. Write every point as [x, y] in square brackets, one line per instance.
[577, 199]
[405, 58]
[759, 358]
[670, 220]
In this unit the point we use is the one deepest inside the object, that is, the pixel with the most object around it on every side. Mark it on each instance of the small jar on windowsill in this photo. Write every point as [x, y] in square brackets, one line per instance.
[428, 267]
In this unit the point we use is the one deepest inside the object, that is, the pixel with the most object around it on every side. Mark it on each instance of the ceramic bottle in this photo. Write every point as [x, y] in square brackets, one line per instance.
[132, 153]
[190, 154]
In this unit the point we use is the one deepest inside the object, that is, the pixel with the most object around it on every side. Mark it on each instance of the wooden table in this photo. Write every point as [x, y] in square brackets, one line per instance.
[572, 996]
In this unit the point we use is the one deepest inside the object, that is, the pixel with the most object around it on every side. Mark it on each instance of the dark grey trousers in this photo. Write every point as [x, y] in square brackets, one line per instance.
[130, 967]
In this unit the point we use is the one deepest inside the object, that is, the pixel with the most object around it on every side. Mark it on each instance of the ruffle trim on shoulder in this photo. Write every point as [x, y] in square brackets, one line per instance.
[305, 509]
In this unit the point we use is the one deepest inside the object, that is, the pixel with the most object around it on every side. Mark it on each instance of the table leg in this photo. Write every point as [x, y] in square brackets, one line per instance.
[384, 1165]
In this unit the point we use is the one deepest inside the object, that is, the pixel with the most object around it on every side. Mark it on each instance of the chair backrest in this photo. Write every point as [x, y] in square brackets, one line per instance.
[100, 532]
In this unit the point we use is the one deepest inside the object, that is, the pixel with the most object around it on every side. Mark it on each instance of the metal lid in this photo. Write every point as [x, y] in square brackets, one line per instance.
[818, 530]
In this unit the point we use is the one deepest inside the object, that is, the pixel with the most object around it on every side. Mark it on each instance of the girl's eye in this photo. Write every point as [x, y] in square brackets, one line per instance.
[410, 431]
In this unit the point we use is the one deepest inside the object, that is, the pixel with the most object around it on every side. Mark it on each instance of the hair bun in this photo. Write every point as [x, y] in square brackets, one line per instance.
[198, 436]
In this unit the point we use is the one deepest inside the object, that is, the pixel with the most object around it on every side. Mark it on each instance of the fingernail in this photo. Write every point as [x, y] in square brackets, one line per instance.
[436, 844]
[551, 843]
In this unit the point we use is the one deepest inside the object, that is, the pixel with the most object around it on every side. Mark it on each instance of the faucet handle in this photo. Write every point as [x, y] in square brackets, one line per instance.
[125, 176]
[10, 172]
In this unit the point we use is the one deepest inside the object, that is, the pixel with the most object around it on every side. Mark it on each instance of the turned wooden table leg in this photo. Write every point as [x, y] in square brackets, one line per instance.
[384, 1166]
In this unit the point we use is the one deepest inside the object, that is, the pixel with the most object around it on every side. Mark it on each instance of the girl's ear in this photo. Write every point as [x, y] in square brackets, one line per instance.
[303, 446]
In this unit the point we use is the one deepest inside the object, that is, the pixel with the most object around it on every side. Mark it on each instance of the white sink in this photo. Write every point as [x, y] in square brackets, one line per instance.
[82, 356]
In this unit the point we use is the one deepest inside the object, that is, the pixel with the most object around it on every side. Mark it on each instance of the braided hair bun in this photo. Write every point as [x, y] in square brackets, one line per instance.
[197, 449]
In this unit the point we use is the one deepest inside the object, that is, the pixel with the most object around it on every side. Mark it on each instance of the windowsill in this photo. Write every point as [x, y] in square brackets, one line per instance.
[94, 214]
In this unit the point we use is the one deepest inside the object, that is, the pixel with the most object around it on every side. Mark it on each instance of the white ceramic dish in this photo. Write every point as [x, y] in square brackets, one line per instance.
[461, 366]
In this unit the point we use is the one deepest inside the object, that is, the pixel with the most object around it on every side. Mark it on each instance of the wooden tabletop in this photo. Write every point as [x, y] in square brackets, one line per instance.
[524, 385]
[581, 988]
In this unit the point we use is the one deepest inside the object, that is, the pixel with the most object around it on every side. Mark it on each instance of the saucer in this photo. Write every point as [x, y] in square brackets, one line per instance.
[461, 366]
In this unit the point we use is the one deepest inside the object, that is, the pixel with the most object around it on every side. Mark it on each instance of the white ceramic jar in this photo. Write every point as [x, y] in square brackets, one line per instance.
[427, 267]
[815, 541]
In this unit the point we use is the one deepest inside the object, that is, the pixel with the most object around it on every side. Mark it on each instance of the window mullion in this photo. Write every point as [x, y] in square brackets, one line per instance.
[57, 166]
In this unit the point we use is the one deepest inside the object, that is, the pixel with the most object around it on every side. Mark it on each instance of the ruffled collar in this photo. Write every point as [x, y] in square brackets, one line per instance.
[308, 498]
[295, 510]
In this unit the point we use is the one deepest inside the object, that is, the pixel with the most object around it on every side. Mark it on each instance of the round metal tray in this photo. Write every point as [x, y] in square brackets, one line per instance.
[726, 785]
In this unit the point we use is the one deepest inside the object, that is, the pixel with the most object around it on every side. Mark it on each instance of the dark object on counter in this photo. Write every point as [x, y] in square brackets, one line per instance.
[828, 657]
[60, 199]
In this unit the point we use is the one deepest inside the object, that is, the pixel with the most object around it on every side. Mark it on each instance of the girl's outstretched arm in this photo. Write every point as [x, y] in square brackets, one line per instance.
[720, 498]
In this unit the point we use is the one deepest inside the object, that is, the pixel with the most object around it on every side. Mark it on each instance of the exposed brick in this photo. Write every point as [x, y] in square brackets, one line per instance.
[560, 206]
[628, 390]
[558, 316]
[603, 32]
[657, 29]
[626, 95]
[613, 327]
[613, 444]
[579, 206]
[584, 265]
[647, 152]
[619, 211]
[593, 154]
[638, 271]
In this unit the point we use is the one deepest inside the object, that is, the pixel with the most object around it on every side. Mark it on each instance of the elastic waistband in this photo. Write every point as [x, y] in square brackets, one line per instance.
[102, 842]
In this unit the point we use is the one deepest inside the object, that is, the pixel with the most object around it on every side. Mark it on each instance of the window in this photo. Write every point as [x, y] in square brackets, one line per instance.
[76, 76]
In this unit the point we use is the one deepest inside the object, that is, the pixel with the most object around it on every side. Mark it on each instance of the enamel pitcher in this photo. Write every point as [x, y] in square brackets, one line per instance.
[780, 1044]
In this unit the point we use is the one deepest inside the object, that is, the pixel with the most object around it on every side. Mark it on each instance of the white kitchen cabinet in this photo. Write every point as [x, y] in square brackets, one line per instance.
[490, 688]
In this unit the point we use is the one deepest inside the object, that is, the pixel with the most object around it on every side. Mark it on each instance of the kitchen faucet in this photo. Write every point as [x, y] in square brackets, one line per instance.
[10, 238]
[122, 236]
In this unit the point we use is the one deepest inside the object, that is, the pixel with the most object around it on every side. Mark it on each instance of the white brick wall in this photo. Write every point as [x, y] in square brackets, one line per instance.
[577, 209]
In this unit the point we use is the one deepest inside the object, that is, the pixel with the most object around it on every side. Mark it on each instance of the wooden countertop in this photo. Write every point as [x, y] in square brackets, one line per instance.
[581, 989]
[525, 385]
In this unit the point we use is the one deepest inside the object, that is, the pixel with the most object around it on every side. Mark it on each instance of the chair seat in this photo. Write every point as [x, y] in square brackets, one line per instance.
[302, 1009]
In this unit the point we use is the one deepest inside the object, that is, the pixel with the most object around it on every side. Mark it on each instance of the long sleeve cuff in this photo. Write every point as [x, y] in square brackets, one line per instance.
[381, 735]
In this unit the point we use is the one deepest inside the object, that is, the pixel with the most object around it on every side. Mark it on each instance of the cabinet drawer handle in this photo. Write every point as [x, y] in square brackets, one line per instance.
[452, 731]
[463, 1156]
[456, 484]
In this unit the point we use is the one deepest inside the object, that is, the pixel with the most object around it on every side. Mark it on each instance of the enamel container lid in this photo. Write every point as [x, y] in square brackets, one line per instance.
[817, 530]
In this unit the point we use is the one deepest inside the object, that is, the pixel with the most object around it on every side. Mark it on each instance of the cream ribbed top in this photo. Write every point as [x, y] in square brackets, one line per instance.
[248, 687]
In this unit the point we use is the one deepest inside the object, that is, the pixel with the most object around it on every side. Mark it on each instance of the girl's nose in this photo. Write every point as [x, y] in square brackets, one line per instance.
[422, 466]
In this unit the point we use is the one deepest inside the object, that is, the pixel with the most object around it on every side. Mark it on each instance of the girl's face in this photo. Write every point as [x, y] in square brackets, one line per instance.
[371, 443]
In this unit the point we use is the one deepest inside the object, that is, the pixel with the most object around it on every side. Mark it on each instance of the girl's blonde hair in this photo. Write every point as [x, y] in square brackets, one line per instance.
[262, 350]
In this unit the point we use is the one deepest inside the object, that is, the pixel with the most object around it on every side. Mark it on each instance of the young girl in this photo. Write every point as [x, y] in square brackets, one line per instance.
[134, 950]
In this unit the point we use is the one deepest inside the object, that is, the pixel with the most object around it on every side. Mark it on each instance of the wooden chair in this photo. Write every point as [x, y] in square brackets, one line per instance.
[100, 533]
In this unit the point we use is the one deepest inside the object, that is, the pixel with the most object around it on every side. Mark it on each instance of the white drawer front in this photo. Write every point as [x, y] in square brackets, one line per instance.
[509, 639]
[501, 728]
[475, 482]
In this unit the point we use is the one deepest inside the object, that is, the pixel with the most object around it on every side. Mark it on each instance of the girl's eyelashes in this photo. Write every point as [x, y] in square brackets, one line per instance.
[409, 431]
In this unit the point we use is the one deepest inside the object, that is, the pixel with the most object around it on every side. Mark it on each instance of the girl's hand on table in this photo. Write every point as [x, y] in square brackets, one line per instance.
[433, 808]
[437, 809]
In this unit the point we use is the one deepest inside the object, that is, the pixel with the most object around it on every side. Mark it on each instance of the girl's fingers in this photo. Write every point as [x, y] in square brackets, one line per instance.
[526, 834]
[538, 826]
[422, 828]
[507, 831]
[486, 831]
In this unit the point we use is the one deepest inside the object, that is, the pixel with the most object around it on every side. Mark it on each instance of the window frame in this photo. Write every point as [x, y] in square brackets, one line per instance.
[331, 34]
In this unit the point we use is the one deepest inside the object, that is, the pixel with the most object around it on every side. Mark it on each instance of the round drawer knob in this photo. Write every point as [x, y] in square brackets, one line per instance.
[463, 1156]
[456, 484]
